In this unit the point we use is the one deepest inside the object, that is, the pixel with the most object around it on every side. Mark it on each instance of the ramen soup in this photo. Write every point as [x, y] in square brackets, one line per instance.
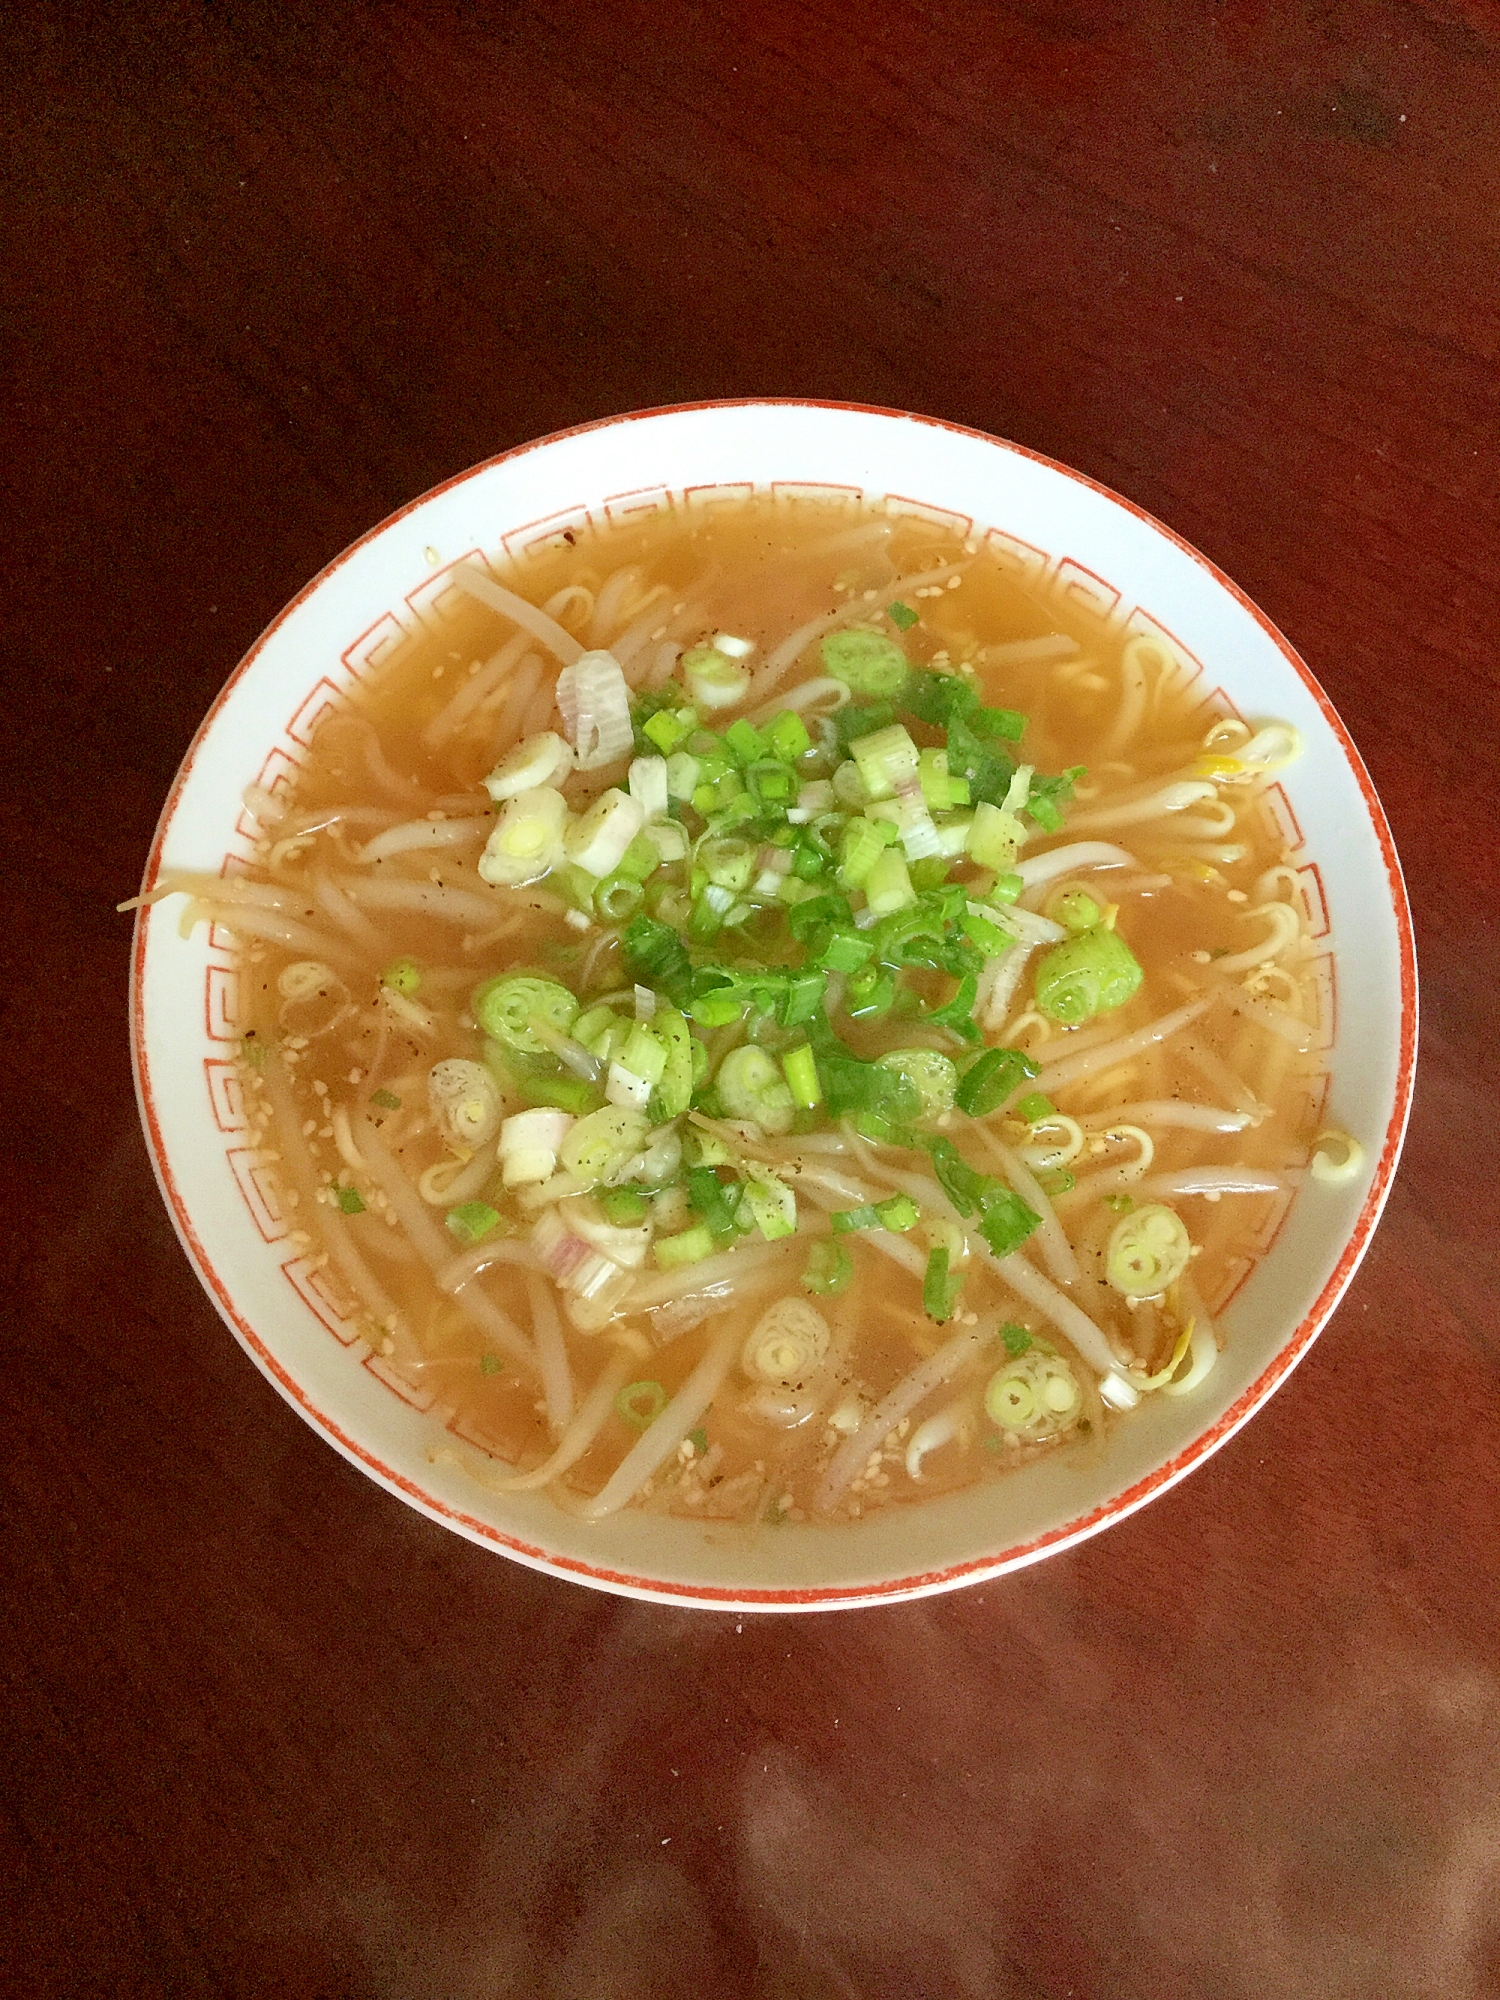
[765, 1016]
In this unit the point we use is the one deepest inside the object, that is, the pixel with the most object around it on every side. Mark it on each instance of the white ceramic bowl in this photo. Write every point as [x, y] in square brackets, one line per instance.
[1050, 522]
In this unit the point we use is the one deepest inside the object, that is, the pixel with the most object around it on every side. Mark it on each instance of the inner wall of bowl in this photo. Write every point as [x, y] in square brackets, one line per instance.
[699, 458]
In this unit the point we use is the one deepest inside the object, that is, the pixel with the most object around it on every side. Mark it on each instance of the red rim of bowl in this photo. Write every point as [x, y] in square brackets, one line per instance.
[818, 1597]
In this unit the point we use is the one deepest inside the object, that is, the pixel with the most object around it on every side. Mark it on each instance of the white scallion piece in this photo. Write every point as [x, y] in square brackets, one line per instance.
[597, 842]
[627, 1089]
[528, 1145]
[526, 840]
[713, 679]
[648, 785]
[465, 1101]
[594, 703]
[544, 759]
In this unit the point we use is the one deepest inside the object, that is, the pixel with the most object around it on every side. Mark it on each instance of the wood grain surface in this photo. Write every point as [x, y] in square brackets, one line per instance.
[270, 271]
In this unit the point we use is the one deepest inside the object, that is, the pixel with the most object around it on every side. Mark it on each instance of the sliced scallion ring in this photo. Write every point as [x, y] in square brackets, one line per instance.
[1148, 1251]
[640, 1404]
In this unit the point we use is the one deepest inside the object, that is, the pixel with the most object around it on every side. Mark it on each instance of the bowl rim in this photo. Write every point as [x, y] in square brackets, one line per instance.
[809, 1597]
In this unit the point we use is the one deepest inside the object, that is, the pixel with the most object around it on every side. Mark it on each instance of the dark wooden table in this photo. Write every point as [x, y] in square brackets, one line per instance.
[270, 271]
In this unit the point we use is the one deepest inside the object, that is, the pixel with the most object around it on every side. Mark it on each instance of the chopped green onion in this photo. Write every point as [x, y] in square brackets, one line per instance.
[930, 1074]
[930, 872]
[726, 861]
[887, 884]
[1054, 1181]
[403, 977]
[601, 1143]
[939, 698]
[386, 1099]
[772, 784]
[617, 897]
[1036, 1107]
[1093, 973]
[809, 861]
[593, 1027]
[684, 774]
[887, 761]
[958, 1013]
[641, 858]
[667, 729]
[802, 1000]
[576, 884]
[1005, 1221]
[991, 1078]
[1003, 722]
[1009, 1400]
[854, 1086]
[713, 679]
[829, 1268]
[718, 1009]
[898, 1212]
[787, 736]
[940, 1291]
[504, 1006]
[990, 939]
[1074, 908]
[709, 1198]
[623, 1207]
[1148, 1250]
[1016, 1339]
[705, 1149]
[750, 1086]
[902, 616]
[932, 776]
[771, 1203]
[871, 992]
[698, 1439]
[745, 740]
[690, 1247]
[472, 1221]
[567, 1093]
[1121, 1204]
[657, 957]
[860, 847]
[846, 951]
[802, 1078]
[1007, 888]
[674, 1083]
[994, 837]
[1048, 793]
[827, 908]
[961, 1183]
[643, 1055]
[640, 1404]
[350, 1201]
[868, 663]
[490, 1364]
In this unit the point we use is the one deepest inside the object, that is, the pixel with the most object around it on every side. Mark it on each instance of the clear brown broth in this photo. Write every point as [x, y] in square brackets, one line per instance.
[763, 582]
